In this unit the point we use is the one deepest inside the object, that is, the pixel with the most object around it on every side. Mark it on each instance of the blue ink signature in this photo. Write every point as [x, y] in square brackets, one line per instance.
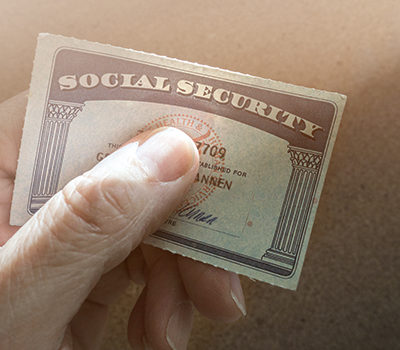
[194, 213]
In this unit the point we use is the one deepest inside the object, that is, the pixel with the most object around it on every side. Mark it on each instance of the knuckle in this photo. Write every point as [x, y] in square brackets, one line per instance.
[116, 195]
[78, 199]
[97, 205]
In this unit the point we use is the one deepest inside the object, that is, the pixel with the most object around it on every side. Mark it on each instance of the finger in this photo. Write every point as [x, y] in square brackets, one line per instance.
[11, 119]
[165, 321]
[12, 112]
[88, 228]
[136, 266]
[216, 293]
[88, 325]
[111, 285]
[169, 311]
[136, 331]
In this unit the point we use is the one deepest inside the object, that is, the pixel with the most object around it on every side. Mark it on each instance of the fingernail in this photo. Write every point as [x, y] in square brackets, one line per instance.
[237, 293]
[167, 154]
[146, 343]
[179, 326]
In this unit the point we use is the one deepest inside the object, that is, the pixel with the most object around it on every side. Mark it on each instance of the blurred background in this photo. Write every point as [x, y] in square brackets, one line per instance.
[349, 292]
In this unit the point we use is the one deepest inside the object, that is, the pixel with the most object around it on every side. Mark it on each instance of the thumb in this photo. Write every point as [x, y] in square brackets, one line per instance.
[50, 265]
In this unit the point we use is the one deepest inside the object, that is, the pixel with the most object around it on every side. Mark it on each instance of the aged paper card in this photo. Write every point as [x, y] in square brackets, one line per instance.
[264, 148]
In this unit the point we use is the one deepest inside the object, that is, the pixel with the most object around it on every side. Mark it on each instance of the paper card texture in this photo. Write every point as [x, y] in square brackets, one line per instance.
[264, 148]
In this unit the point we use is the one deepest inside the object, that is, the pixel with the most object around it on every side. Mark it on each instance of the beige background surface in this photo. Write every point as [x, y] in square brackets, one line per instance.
[349, 293]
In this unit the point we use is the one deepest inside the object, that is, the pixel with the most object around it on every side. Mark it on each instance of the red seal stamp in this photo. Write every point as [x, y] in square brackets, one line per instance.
[212, 153]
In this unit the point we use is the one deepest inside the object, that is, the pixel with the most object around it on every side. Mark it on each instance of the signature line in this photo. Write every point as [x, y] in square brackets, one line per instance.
[192, 223]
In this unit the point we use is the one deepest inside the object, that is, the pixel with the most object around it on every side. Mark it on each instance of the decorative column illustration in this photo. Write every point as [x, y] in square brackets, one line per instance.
[295, 208]
[50, 152]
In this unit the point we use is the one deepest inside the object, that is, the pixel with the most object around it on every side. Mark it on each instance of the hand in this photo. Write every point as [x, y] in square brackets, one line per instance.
[61, 270]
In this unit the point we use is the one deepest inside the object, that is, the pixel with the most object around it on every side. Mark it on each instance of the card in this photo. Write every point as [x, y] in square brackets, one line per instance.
[264, 148]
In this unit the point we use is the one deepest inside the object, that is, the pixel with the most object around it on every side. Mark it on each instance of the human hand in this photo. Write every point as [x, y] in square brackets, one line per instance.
[62, 269]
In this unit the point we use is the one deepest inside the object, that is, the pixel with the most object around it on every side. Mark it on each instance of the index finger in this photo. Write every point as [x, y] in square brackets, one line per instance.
[12, 113]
